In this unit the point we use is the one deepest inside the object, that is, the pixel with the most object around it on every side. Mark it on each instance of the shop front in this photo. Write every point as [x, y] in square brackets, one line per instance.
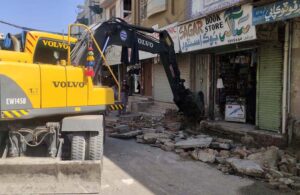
[248, 79]
[224, 73]
[235, 79]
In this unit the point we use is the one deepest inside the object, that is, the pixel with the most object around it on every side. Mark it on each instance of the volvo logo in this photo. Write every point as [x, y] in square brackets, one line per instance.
[123, 35]
[145, 43]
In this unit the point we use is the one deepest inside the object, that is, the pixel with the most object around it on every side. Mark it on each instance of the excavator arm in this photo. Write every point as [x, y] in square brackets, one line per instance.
[118, 32]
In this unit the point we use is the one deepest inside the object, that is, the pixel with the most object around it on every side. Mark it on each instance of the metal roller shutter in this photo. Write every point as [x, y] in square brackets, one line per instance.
[161, 88]
[269, 87]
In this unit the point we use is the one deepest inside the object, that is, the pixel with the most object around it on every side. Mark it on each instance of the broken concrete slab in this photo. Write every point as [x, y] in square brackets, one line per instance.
[286, 181]
[242, 152]
[246, 167]
[268, 158]
[220, 160]
[275, 173]
[127, 135]
[218, 145]
[130, 117]
[151, 138]
[149, 130]
[194, 143]
[208, 155]
[111, 119]
[168, 146]
[163, 140]
[122, 128]
[224, 154]
[221, 140]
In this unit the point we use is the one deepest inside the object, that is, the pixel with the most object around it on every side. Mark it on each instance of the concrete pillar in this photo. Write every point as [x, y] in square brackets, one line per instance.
[295, 80]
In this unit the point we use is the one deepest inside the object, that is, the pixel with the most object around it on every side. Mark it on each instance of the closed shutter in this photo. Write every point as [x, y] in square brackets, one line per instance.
[161, 87]
[269, 90]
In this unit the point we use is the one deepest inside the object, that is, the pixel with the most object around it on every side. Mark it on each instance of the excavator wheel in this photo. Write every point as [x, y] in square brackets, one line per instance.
[78, 146]
[95, 143]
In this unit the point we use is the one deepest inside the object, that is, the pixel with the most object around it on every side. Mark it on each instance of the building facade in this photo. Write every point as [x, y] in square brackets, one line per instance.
[243, 55]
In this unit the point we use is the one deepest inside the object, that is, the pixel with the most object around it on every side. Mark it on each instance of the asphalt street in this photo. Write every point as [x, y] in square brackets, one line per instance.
[132, 168]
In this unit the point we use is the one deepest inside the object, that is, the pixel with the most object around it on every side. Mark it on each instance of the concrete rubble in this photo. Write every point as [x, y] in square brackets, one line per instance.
[194, 143]
[246, 167]
[279, 168]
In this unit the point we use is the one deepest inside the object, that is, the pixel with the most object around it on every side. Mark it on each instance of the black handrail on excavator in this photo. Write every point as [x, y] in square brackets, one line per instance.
[118, 32]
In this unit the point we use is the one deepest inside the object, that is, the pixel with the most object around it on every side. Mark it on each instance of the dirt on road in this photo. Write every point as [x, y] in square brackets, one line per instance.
[131, 168]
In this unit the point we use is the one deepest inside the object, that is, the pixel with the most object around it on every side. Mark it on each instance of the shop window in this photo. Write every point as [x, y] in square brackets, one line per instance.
[236, 86]
[127, 8]
[50, 52]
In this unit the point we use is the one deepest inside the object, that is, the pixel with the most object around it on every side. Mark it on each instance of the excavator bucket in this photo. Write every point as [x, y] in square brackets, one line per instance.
[24, 175]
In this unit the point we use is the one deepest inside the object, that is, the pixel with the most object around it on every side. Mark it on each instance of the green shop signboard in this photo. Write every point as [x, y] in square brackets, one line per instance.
[280, 10]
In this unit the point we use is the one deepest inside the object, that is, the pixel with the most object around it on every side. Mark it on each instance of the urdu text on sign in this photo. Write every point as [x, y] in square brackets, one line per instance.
[231, 26]
[280, 10]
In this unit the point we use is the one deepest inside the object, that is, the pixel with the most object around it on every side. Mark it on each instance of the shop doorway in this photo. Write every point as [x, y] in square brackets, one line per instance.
[147, 78]
[236, 86]
[201, 75]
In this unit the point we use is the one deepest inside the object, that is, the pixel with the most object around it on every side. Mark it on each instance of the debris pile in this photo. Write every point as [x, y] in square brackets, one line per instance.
[278, 167]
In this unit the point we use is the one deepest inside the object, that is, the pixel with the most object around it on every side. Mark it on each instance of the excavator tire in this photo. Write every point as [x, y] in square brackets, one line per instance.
[95, 145]
[78, 146]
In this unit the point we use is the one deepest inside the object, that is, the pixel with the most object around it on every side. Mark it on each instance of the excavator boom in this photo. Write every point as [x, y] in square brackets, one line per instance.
[117, 32]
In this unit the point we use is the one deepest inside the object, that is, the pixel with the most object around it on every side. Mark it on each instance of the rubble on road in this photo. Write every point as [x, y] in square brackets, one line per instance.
[194, 143]
[280, 168]
[205, 155]
[126, 135]
[246, 167]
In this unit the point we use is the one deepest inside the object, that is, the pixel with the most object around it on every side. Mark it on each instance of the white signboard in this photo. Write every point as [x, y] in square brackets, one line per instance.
[231, 26]
[173, 32]
[204, 7]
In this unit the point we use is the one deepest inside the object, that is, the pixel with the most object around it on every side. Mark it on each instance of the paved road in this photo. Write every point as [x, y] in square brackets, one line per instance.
[131, 168]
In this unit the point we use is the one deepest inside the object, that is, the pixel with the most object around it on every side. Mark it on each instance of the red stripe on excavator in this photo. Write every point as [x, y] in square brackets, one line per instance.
[29, 50]
[32, 36]
[30, 42]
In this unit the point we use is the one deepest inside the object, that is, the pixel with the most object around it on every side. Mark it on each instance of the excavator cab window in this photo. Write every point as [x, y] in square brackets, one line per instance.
[50, 51]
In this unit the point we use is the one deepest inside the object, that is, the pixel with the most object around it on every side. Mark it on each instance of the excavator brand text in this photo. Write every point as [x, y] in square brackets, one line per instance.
[145, 43]
[55, 44]
[64, 84]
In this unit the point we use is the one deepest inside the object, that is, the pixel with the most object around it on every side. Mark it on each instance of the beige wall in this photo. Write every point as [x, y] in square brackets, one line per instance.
[295, 72]
[161, 87]
[163, 18]
[175, 12]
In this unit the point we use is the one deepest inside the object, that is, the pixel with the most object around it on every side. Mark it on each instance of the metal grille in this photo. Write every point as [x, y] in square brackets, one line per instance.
[269, 91]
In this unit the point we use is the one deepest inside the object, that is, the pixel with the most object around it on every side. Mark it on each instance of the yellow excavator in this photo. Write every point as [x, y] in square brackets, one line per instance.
[52, 103]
